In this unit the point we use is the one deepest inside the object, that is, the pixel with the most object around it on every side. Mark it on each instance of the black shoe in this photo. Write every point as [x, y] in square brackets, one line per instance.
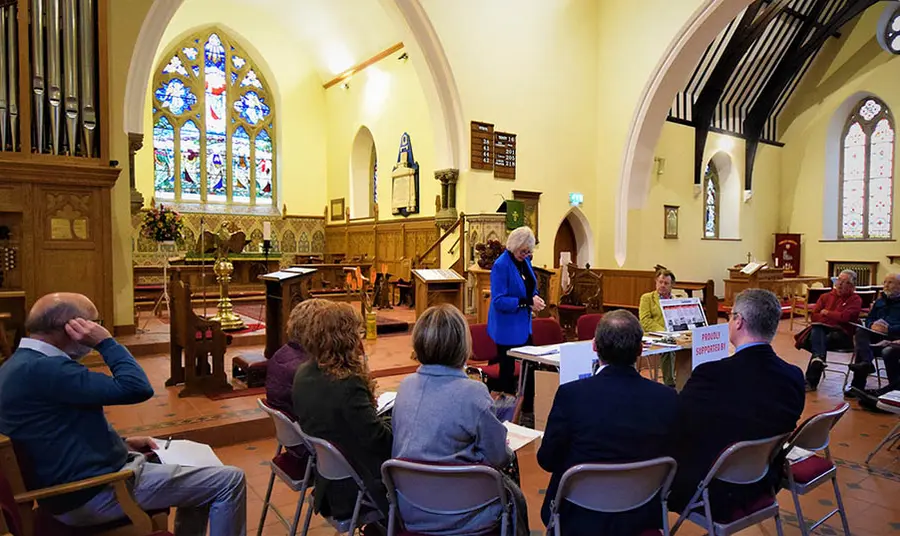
[814, 371]
[810, 388]
[862, 367]
[851, 393]
[869, 401]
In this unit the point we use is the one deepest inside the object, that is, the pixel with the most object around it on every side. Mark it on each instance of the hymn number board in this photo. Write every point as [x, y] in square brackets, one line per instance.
[482, 146]
[493, 150]
[504, 155]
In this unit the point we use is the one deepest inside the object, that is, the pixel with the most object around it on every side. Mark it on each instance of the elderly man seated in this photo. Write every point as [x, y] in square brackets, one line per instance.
[51, 406]
[833, 318]
[884, 323]
[652, 319]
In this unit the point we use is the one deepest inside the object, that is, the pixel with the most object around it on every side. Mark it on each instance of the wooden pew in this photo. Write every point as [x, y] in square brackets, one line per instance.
[622, 289]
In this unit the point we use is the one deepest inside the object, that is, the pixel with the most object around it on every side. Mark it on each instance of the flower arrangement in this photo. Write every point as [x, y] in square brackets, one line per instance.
[488, 253]
[162, 224]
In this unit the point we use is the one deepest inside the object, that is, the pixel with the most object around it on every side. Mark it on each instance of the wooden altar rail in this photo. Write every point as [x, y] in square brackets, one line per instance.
[386, 243]
[622, 289]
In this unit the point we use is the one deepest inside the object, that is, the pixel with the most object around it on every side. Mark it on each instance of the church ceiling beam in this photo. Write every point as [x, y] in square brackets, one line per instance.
[751, 27]
[803, 18]
[806, 43]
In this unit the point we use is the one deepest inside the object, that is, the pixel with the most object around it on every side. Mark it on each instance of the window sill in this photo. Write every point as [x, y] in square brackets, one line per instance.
[219, 208]
[851, 240]
[721, 239]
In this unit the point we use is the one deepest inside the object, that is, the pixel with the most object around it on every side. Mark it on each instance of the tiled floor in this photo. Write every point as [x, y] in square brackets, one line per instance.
[870, 493]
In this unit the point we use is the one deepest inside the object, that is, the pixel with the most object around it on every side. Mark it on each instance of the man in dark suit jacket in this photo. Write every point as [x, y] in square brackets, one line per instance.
[615, 416]
[751, 395]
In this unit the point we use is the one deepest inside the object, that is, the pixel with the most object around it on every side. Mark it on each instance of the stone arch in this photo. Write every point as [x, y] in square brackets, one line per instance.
[584, 236]
[427, 54]
[673, 69]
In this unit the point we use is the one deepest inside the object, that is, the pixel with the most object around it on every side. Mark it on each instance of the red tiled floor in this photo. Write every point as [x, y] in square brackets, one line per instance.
[870, 494]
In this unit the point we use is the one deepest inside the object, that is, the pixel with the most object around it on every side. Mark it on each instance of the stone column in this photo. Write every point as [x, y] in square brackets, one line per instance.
[135, 142]
[447, 214]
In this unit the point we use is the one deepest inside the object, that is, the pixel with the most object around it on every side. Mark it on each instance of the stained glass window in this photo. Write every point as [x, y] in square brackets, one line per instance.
[214, 125]
[867, 172]
[711, 201]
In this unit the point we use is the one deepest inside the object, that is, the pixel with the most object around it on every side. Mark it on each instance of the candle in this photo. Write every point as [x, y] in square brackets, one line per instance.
[267, 230]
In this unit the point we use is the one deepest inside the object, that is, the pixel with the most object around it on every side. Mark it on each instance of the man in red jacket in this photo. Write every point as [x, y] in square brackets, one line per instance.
[832, 328]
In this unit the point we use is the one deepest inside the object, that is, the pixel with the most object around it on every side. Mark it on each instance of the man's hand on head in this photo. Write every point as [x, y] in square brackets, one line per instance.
[86, 332]
[140, 444]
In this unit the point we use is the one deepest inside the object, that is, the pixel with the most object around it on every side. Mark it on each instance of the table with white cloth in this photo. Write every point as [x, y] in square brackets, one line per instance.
[682, 350]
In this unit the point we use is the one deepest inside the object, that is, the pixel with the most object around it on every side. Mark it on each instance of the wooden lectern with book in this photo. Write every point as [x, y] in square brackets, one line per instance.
[284, 290]
[434, 287]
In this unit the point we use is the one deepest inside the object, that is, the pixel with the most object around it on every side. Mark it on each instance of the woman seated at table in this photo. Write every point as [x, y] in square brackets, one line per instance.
[334, 400]
[442, 416]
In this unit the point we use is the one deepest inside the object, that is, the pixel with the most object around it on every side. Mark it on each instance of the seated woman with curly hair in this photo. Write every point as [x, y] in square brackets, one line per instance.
[334, 400]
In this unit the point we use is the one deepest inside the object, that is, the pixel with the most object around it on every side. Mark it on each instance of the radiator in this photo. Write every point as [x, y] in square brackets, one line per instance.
[863, 272]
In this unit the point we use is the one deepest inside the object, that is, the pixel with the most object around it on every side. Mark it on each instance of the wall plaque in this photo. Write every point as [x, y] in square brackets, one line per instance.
[60, 229]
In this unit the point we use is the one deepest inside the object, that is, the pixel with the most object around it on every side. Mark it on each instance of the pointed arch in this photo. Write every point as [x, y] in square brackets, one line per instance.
[866, 172]
[584, 235]
[363, 174]
[218, 102]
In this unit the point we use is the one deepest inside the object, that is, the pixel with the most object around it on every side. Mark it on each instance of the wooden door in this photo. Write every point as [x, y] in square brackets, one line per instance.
[565, 241]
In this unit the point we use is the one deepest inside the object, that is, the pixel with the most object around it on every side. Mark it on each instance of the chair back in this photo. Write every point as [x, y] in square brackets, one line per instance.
[546, 331]
[867, 297]
[745, 462]
[286, 431]
[330, 463]
[483, 347]
[614, 488]
[443, 489]
[813, 294]
[815, 433]
[587, 326]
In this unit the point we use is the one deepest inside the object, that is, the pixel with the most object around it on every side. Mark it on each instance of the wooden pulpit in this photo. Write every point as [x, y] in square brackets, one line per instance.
[434, 287]
[284, 290]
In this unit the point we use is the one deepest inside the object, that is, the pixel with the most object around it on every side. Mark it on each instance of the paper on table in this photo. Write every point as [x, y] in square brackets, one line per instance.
[184, 452]
[519, 436]
[539, 350]
[386, 401]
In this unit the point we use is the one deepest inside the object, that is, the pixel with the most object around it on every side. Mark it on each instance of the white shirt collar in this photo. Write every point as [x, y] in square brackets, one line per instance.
[601, 367]
[42, 347]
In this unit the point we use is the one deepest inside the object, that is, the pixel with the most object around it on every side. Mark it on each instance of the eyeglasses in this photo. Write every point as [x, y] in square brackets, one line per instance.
[732, 315]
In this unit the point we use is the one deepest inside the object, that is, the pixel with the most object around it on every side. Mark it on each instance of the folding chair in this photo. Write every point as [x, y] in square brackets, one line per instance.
[806, 474]
[892, 438]
[614, 488]
[287, 466]
[444, 489]
[332, 465]
[743, 463]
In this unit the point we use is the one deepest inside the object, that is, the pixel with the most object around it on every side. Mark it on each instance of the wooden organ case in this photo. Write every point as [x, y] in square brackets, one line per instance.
[55, 173]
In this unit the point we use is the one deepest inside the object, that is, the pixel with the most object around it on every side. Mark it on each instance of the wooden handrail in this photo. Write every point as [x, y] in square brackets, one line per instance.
[447, 233]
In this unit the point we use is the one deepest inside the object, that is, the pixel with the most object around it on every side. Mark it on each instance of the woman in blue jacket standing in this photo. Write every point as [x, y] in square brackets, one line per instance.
[514, 295]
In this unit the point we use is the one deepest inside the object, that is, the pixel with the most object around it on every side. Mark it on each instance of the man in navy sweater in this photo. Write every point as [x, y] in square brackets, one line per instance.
[51, 406]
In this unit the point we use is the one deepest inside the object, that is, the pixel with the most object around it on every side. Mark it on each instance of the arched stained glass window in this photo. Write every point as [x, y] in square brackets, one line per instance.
[867, 172]
[711, 195]
[214, 125]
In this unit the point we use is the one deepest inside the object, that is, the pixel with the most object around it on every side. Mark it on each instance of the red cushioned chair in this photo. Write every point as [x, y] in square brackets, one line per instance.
[20, 517]
[450, 489]
[484, 354]
[587, 326]
[746, 462]
[295, 472]
[615, 488]
[805, 471]
[546, 331]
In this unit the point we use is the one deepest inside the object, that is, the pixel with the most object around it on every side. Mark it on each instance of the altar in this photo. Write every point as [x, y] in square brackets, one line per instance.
[749, 275]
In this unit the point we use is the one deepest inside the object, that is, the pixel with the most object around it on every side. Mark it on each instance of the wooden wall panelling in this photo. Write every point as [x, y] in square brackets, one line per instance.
[384, 243]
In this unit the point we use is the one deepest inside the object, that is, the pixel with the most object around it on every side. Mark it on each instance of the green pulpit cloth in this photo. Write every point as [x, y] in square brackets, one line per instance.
[515, 214]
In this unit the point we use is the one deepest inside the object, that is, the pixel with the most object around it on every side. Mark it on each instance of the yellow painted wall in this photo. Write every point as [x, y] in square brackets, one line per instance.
[297, 87]
[691, 257]
[386, 98]
[533, 74]
[851, 67]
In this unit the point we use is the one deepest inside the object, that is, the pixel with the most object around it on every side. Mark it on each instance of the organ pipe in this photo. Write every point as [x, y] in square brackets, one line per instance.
[37, 65]
[70, 68]
[12, 78]
[4, 108]
[54, 85]
[88, 109]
